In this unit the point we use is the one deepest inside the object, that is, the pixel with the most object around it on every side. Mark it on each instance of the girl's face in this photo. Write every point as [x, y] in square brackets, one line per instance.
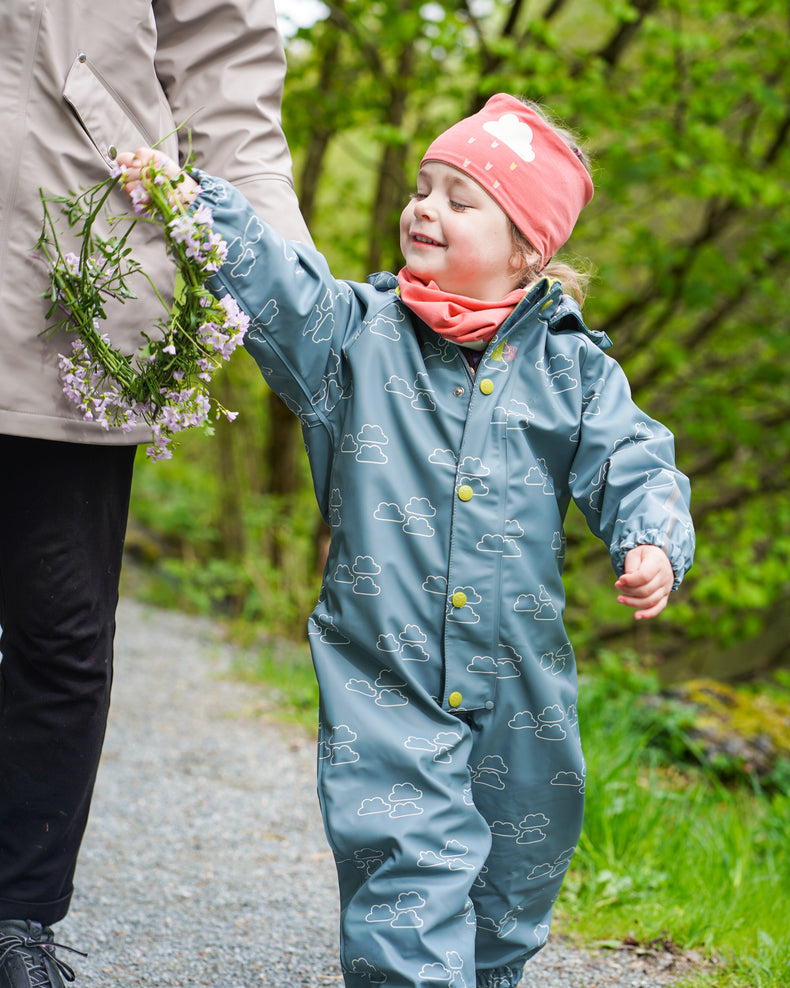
[453, 233]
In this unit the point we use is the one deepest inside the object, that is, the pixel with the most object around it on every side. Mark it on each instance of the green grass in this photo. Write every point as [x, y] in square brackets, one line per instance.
[668, 853]
[286, 670]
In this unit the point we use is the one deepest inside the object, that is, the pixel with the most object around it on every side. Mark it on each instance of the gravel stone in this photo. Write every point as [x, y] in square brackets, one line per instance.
[205, 861]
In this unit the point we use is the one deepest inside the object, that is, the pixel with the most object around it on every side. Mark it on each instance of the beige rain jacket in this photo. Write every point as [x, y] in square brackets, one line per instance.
[81, 80]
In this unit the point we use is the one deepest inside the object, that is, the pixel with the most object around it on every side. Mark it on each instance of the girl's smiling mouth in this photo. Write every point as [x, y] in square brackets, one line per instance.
[420, 238]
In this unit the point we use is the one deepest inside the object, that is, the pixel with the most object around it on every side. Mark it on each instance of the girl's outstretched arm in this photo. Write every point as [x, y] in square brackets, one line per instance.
[646, 582]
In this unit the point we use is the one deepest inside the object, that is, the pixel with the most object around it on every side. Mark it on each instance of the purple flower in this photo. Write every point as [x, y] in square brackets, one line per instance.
[170, 418]
[234, 317]
[140, 198]
[71, 263]
[203, 215]
[181, 227]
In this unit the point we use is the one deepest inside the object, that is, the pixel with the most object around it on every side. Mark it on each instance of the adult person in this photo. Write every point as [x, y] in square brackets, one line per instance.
[80, 80]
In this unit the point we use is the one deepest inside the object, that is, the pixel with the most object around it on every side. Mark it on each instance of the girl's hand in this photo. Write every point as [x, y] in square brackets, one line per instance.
[134, 164]
[646, 582]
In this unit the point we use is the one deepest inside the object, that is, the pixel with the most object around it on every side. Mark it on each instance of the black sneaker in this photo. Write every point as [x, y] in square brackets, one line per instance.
[27, 956]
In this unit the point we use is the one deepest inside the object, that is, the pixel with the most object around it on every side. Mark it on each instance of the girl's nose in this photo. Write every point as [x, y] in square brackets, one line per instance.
[424, 207]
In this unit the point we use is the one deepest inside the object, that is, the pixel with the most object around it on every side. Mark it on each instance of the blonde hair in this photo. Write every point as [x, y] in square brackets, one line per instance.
[574, 279]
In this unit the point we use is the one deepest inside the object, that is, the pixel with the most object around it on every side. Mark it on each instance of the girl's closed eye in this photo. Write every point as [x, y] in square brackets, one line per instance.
[454, 204]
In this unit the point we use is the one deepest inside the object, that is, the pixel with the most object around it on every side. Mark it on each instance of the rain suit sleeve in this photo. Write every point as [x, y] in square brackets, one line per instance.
[301, 318]
[300, 315]
[624, 477]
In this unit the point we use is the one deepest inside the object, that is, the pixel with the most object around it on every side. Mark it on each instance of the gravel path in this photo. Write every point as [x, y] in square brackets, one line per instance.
[205, 862]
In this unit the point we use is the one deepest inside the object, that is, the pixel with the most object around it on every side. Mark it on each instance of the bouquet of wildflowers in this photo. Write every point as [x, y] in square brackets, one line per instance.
[164, 385]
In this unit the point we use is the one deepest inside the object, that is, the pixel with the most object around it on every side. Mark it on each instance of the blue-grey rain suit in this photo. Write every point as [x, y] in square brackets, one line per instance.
[451, 774]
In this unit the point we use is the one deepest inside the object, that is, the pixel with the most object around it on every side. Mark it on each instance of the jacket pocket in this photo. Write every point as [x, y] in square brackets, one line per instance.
[109, 123]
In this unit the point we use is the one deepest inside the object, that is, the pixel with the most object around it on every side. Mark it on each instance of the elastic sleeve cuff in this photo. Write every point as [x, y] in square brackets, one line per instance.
[679, 558]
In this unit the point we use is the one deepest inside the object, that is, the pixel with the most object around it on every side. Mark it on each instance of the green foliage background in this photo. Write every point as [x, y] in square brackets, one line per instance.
[685, 108]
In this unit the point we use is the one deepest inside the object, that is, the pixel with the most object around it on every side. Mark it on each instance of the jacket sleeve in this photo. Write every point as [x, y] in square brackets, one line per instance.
[624, 477]
[222, 66]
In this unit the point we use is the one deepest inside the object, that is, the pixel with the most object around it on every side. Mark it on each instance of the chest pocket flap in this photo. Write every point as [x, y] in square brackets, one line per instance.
[107, 120]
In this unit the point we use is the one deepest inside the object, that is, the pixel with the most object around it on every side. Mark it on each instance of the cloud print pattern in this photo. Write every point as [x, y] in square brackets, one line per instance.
[451, 773]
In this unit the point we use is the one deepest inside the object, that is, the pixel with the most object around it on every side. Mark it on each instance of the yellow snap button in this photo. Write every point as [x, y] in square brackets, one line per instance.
[486, 385]
[454, 699]
[465, 492]
[458, 599]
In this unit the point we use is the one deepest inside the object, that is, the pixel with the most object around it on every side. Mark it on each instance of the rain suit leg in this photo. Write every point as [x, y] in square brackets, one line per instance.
[411, 796]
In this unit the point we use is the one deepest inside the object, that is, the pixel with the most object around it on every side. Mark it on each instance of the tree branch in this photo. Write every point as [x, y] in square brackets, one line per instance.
[769, 482]
[341, 20]
[612, 51]
[553, 9]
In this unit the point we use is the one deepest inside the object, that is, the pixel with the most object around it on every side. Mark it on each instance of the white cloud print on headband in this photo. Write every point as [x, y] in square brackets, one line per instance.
[515, 133]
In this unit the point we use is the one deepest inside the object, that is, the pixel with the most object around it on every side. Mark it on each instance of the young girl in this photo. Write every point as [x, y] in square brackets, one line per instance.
[450, 415]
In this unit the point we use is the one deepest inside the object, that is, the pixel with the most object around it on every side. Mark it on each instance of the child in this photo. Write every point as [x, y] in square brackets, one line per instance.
[450, 415]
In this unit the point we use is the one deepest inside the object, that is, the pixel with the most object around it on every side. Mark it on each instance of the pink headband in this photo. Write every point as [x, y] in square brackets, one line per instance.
[521, 161]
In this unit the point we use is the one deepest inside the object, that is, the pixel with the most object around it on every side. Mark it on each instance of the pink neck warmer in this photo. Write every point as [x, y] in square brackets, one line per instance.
[455, 317]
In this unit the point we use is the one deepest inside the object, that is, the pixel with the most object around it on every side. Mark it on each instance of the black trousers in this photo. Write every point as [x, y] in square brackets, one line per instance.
[63, 512]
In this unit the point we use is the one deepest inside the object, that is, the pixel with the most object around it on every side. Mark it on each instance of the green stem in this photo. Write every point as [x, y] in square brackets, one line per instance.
[107, 356]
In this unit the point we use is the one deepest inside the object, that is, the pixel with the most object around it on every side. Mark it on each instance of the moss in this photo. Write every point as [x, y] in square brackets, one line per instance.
[736, 730]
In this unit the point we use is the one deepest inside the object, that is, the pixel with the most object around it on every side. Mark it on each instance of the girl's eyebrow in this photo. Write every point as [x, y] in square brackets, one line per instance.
[456, 181]
[466, 186]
